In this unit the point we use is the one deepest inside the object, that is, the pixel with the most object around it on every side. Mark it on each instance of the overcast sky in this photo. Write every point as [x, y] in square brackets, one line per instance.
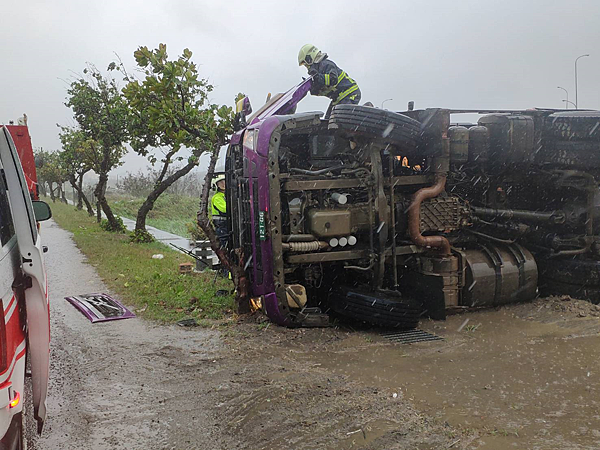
[458, 54]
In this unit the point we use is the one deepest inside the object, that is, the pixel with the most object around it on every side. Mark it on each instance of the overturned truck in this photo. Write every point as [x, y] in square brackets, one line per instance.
[385, 217]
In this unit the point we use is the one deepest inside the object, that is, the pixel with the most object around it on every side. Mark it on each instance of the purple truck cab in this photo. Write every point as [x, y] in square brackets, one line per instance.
[366, 214]
[253, 143]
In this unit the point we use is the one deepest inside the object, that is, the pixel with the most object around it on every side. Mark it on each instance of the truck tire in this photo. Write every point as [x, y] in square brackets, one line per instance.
[577, 154]
[386, 127]
[375, 309]
[576, 125]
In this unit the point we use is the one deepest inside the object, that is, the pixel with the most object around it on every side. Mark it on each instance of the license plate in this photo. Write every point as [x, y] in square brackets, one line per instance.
[262, 228]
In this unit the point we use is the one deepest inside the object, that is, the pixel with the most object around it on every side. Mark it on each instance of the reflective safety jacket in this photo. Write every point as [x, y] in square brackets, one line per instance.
[218, 206]
[331, 81]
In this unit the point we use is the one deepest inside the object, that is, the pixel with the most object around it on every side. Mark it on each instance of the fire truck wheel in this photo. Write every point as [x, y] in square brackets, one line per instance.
[401, 313]
[383, 126]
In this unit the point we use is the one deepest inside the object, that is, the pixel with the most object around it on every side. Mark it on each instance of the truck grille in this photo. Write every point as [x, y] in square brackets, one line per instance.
[246, 231]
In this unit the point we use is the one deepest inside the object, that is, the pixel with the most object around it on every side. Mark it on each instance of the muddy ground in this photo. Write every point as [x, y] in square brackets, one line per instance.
[524, 376]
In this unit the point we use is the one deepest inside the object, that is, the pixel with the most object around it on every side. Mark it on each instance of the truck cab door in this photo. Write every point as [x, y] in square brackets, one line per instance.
[34, 280]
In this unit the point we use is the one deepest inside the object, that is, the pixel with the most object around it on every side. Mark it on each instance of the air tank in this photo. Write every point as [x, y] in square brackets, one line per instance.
[479, 144]
[511, 137]
[459, 144]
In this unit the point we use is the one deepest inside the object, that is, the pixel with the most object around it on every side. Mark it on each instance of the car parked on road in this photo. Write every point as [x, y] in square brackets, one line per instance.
[384, 217]
[24, 315]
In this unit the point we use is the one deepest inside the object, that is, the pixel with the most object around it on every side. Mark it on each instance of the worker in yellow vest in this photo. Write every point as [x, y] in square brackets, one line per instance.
[328, 79]
[218, 207]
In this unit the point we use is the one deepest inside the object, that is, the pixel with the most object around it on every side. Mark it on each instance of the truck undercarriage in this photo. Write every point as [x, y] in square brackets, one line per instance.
[385, 217]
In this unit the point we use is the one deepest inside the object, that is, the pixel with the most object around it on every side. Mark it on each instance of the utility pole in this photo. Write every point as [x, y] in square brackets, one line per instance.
[566, 92]
[577, 59]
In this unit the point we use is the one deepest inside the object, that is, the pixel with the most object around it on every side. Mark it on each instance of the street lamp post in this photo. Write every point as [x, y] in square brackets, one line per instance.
[566, 92]
[577, 59]
[567, 101]
[386, 100]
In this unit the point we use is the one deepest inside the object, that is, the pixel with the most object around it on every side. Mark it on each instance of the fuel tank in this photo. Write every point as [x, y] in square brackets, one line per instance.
[497, 274]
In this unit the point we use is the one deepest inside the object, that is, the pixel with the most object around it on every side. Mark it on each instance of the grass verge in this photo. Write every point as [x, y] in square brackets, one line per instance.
[153, 286]
[171, 212]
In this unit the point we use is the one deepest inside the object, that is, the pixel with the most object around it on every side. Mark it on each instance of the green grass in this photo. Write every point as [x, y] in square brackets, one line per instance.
[153, 286]
[171, 213]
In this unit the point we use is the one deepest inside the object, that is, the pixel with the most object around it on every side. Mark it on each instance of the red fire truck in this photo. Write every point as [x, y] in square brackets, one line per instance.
[22, 139]
[24, 312]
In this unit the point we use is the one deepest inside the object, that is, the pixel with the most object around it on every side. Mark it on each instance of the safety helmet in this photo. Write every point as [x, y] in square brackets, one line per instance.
[308, 55]
[216, 180]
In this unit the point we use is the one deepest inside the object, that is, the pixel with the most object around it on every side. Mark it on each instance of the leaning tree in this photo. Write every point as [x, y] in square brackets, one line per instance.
[51, 172]
[170, 112]
[101, 113]
[75, 157]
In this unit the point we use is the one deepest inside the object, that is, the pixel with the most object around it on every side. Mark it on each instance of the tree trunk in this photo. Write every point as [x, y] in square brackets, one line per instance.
[78, 186]
[140, 221]
[100, 192]
[52, 196]
[83, 197]
[78, 189]
[237, 270]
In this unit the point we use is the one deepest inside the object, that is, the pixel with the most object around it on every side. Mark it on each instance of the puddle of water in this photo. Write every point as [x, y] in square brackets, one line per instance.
[515, 382]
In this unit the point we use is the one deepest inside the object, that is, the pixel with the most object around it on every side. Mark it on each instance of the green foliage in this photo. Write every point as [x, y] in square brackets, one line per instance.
[117, 227]
[77, 154]
[50, 167]
[141, 237]
[169, 107]
[101, 112]
[153, 286]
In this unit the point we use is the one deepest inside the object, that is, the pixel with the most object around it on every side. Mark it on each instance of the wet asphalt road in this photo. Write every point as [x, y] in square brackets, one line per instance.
[121, 384]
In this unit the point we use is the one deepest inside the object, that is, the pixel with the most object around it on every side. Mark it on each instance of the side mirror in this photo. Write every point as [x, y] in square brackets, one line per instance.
[243, 106]
[242, 110]
[41, 210]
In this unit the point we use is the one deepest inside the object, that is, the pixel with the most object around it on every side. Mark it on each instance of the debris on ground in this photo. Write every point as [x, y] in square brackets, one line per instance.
[187, 323]
[186, 267]
[100, 307]
[562, 304]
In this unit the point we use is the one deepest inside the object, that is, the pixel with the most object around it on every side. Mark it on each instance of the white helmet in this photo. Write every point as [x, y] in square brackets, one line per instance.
[215, 180]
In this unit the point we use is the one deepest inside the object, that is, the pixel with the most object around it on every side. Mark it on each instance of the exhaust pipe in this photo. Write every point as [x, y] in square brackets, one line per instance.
[414, 218]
